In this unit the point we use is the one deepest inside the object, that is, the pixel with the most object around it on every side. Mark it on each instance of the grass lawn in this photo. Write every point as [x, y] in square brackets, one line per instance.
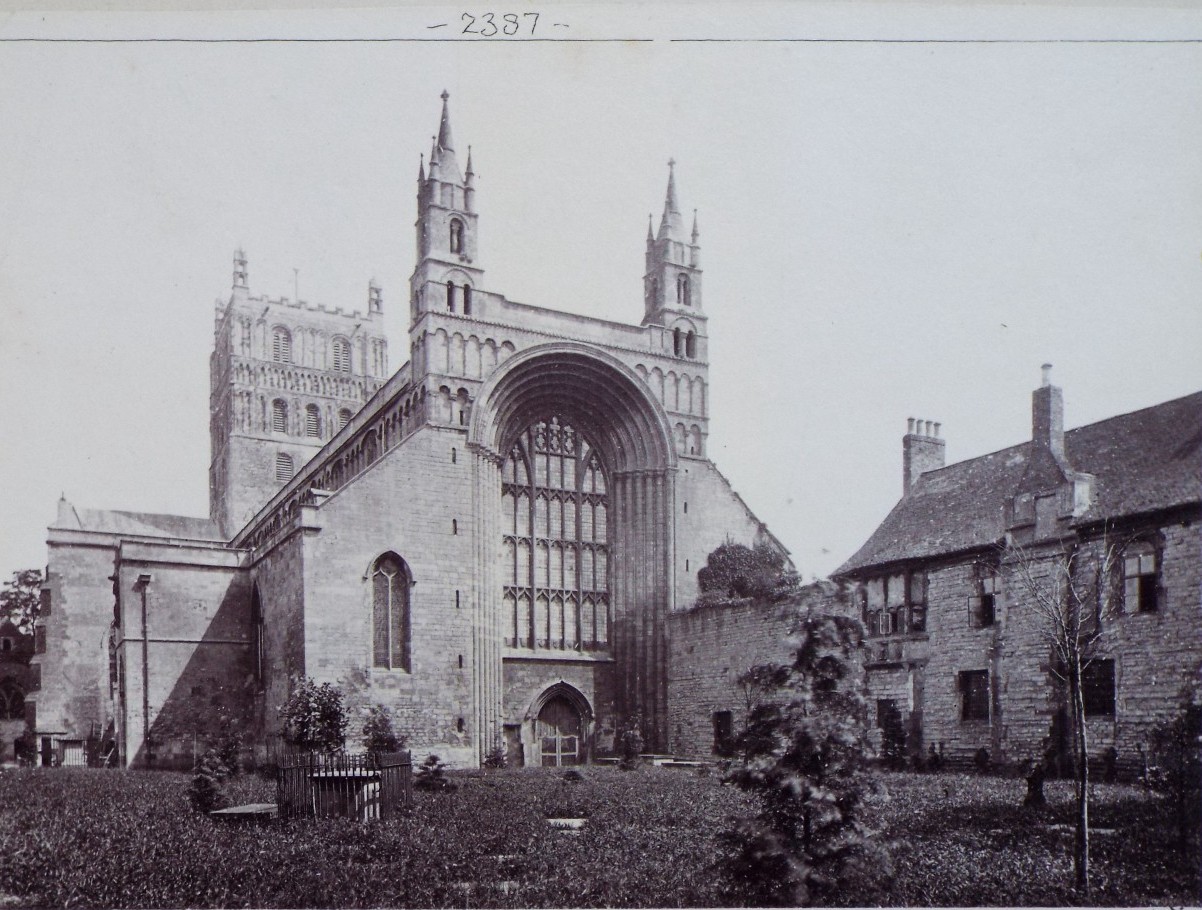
[72, 837]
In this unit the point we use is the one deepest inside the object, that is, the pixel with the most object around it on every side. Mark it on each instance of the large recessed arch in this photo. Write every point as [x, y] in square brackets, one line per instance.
[596, 392]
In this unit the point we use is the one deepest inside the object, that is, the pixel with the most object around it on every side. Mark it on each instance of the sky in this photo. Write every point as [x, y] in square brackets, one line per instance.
[891, 226]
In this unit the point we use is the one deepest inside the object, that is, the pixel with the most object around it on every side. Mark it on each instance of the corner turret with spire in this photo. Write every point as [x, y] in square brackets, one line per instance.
[672, 279]
[446, 270]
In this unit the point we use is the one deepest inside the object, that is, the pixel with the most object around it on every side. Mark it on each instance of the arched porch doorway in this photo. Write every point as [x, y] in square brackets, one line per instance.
[558, 732]
[558, 727]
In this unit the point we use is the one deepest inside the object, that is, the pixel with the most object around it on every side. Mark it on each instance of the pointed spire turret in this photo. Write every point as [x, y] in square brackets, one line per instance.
[421, 169]
[444, 126]
[670, 226]
[469, 174]
[650, 233]
[696, 233]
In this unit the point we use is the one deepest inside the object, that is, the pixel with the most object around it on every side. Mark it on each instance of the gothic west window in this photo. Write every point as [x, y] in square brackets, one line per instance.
[555, 508]
[456, 235]
[312, 421]
[281, 345]
[390, 613]
[279, 416]
[974, 694]
[1141, 578]
[1097, 688]
[342, 355]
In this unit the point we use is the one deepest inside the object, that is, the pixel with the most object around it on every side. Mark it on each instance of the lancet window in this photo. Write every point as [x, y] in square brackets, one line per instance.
[555, 517]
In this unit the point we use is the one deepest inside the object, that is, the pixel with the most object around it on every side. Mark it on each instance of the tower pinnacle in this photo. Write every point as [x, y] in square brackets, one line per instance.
[444, 126]
[670, 226]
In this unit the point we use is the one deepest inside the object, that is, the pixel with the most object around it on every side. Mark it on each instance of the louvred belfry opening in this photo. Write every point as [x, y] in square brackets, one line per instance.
[555, 522]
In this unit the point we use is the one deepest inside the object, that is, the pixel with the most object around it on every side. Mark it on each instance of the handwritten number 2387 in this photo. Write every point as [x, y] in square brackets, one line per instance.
[485, 25]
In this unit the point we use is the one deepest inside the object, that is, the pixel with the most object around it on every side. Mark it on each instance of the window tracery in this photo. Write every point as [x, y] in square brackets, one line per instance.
[555, 526]
[390, 613]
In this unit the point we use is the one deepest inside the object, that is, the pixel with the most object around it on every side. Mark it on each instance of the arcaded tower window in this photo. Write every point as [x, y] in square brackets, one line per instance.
[342, 355]
[683, 297]
[279, 416]
[281, 345]
[390, 613]
[456, 235]
[312, 421]
[283, 467]
[555, 514]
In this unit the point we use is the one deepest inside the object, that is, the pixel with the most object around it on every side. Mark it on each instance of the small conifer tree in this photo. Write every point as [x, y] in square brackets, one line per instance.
[804, 753]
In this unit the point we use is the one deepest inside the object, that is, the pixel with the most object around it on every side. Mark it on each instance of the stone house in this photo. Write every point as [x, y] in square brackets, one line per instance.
[958, 652]
[488, 540]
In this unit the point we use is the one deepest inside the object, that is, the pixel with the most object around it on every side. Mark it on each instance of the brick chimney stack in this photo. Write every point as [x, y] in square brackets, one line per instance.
[922, 451]
[1047, 417]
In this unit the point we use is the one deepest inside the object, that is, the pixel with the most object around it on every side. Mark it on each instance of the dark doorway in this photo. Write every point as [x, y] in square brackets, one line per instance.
[558, 730]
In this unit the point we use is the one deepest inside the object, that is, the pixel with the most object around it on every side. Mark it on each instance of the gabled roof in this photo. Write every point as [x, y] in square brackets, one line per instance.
[144, 524]
[1144, 461]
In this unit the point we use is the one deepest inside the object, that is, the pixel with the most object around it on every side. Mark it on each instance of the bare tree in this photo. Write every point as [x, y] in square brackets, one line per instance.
[1071, 587]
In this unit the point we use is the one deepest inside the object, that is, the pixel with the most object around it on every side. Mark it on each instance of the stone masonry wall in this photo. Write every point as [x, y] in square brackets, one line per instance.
[710, 647]
[416, 502]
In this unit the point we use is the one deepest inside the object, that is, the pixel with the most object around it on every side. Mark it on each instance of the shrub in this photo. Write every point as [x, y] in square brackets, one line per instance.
[496, 757]
[1177, 758]
[314, 717]
[630, 742]
[205, 793]
[733, 570]
[431, 775]
[805, 755]
[980, 760]
[378, 734]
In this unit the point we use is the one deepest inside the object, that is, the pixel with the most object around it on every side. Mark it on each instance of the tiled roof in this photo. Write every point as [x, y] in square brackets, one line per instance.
[148, 524]
[1143, 462]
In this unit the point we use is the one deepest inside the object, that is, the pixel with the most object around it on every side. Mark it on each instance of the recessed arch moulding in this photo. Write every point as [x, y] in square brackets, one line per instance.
[608, 403]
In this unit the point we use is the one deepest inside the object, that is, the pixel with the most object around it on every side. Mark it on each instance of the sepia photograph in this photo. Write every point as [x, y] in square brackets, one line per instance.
[601, 455]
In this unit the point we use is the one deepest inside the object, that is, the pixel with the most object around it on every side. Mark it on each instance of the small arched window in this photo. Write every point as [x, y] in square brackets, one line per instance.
[312, 421]
[283, 467]
[467, 300]
[683, 296]
[450, 296]
[281, 345]
[342, 355]
[690, 345]
[344, 417]
[279, 416]
[390, 583]
[677, 342]
[456, 235]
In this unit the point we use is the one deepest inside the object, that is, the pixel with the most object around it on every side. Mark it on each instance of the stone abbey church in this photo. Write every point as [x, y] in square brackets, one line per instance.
[488, 540]
[500, 542]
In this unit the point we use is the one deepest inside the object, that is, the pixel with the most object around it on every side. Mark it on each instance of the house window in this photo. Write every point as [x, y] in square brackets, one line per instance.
[1097, 688]
[283, 467]
[344, 417]
[1140, 578]
[342, 355]
[456, 235]
[312, 421]
[724, 733]
[984, 605]
[279, 416]
[555, 507]
[390, 613]
[6, 644]
[281, 345]
[974, 694]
